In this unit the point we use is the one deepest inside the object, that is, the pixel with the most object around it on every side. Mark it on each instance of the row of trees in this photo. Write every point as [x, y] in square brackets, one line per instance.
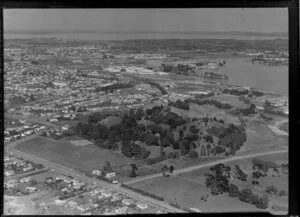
[210, 102]
[152, 83]
[236, 92]
[180, 104]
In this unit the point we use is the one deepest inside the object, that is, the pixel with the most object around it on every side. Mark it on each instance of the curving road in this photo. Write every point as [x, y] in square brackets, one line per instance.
[191, 168]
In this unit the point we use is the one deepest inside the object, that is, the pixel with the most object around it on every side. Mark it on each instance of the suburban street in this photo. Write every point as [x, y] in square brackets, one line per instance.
[68, 171]
[31, 119]
[188, 169]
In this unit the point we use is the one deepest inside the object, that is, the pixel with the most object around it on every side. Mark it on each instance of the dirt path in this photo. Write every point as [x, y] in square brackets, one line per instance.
[275, 127]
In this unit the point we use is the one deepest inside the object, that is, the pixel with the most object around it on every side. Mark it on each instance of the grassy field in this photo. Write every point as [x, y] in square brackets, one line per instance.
[63, 152]
[188, 194]
[284, 127]
[260, 137]
[197, 111]
[280, 182]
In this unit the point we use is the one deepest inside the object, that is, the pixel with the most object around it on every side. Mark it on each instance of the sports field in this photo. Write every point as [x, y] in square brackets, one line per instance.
[80, 158]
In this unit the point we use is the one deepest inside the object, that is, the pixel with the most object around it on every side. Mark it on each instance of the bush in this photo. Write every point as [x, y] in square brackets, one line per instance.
[180, 104]
[283, 193]
[233, 191]
[193, 154]
[263, 203]
[272, 190]
[263, 164]
[246, 195]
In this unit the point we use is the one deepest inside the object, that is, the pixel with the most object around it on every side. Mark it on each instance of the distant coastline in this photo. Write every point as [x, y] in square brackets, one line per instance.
[241, 33]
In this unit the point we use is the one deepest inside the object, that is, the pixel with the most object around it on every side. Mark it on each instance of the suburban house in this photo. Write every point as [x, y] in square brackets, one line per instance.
[127, 202]
[11, 183]
[59, 202]
[141, 205]
[32, 189]
[9, 172]
[25, 180]
[97, 172]
[110, 175]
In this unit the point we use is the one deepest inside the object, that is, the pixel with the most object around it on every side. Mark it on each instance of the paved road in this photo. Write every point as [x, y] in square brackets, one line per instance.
[188, 169]
[68, 171]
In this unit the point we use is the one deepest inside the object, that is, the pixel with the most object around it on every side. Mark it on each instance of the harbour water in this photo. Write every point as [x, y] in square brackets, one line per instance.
[241, 71]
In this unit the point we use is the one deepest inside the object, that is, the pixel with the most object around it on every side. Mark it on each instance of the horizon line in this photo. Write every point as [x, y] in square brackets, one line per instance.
[137, 31]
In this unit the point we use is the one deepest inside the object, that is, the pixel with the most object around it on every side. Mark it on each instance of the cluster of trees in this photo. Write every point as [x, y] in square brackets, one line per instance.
[258, 174]
[236, 92]
[167, 68]
[202, 96]
[247, 196]
[111, 88]
[244, 99]
[154, 84]
[240, 173]
[133, 150]
[180, 104]
[217, 179]
[272, 190]
[166, 170]
[257, 93]
[164, 116]
[263, 165]
[232, 137]
[210, 102]
[129, 131]
[247, 111]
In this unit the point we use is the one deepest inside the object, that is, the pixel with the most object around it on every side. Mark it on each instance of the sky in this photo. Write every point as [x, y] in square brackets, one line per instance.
[223, 19]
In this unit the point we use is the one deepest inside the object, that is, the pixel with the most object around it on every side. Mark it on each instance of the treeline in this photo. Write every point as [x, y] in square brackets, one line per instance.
[111, 88]
[180, 104]
[142, 192]
[210, 102]
[243, 92]
[152, 83]
[236, 92]
[202, 96]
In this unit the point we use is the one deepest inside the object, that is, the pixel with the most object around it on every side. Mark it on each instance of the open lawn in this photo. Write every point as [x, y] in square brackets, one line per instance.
[284, 127]
[83, 159]
[260, 137]
[188, 194]
[197, 111]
